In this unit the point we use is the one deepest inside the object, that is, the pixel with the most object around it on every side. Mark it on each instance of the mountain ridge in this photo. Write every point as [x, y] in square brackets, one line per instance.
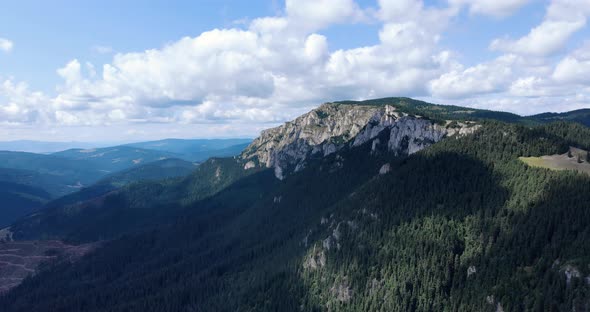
[457, 222]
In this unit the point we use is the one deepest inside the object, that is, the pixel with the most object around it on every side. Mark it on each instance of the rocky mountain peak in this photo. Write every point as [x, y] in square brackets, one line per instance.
[332, 126]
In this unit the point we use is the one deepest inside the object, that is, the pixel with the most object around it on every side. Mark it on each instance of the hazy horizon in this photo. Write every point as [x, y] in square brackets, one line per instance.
[48, 147]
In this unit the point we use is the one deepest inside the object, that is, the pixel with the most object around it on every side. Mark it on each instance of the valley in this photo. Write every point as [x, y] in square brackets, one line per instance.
[32, 181]
[389, 204]
[295, 156]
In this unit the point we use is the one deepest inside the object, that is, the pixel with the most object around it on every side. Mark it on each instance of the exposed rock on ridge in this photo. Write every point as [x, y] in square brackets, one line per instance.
[332, 126]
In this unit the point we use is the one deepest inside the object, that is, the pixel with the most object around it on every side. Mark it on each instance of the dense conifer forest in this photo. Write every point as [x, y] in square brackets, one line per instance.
[460, 226]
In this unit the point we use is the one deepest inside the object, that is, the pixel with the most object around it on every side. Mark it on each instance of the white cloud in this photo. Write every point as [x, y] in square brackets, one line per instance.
[563, 19]
[6, 45]
[527, 79]
[575, 67]
[255, 75]
[480, 79]
[278, 67]
[20, 105]
[496, 8]
[311, 15]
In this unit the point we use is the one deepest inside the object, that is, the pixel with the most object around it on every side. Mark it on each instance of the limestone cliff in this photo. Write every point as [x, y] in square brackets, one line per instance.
[332, 126]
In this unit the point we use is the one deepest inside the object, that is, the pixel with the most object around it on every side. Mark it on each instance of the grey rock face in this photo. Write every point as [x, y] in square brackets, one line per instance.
[471, 270]
[342, 291]
[316, 260]
[331, 127]
[570, 272]
[385, 169]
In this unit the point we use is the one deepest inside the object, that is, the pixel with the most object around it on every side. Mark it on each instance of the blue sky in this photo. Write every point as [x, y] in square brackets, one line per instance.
[270, 61]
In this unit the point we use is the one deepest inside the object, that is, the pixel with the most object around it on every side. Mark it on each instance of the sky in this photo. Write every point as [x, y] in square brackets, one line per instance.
[137, 70]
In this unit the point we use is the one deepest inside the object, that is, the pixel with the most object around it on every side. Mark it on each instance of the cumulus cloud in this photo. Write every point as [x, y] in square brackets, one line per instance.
[312, 15]
[277, 67]
[496, 8]
[6, 45]
[256, 74]
[527, 78]
[575, 67]
[563, 19]
[480, 79]
[20, 105]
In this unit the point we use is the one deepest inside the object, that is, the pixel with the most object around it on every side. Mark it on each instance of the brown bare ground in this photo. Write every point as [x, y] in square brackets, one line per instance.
[22, 258]
[561, 162]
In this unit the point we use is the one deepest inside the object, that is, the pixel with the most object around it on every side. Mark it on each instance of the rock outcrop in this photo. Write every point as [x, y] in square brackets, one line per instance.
[333, 126]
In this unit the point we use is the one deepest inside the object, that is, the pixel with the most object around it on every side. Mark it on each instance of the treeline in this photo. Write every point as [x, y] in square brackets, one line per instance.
[461, 226]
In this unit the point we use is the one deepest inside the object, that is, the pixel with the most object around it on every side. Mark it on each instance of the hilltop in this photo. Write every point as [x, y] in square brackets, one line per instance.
[381, 207]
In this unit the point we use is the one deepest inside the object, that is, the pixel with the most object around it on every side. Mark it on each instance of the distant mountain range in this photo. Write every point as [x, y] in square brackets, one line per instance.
[113, 159]
[196, 149]
[382, 205]
[31, 179]
[43, 147]
[187, 147]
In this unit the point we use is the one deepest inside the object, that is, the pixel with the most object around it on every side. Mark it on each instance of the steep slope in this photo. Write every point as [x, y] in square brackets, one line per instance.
[334, 126]
[286, 149]
[50, 177]
[45, 223]
[54, 184]
[455, 223]
[70, 171]
[105, 211]
[18, 200]
[157, 170]
[28, 181]
[462, 225]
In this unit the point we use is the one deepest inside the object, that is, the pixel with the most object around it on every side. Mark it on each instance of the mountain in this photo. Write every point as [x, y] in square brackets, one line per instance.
[286, 149]
[73, 170]
[28, 181]
[19, 200]
[103, 211]
[334, 126]
[157, 170]
[40, 178]
[384, 205]
[58, 174]
[581, 116]
[31, 180]
[196, 149]
[112, 159]
[54, 184]
[71, 204]
[41, 147]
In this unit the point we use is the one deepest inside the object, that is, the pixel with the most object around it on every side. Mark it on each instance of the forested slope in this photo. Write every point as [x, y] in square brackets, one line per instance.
[461, 226]
[107, 210]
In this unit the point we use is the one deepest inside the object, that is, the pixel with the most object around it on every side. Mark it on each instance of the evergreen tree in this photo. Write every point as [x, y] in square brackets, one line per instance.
[460, 226]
